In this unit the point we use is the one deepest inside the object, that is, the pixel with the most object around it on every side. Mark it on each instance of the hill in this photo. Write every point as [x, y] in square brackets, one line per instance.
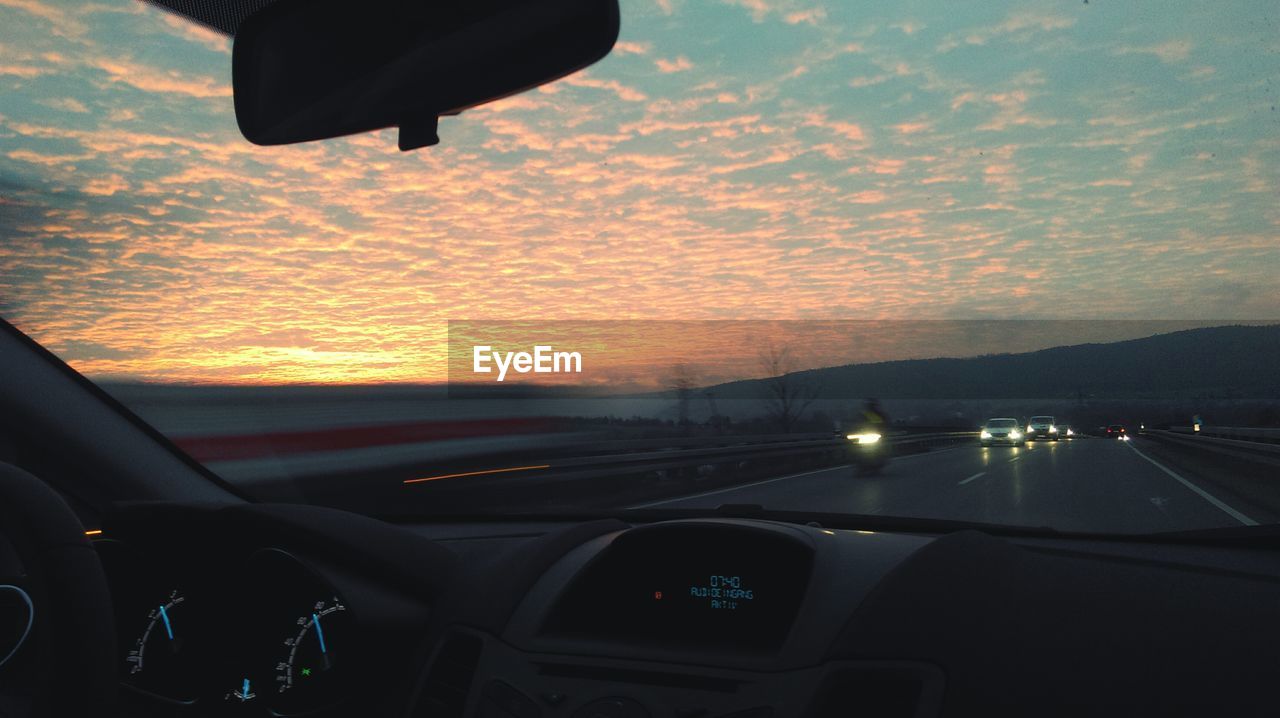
[1227, 362]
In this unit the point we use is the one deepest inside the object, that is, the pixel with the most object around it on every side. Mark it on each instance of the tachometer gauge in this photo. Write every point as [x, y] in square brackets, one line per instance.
[312, 653]
[155, 660]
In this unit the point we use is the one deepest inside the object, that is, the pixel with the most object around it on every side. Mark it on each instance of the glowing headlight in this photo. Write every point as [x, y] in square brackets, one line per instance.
[985, 434]
[1071, 432]
[1015, 434]
[868, 438]
[1053, 429]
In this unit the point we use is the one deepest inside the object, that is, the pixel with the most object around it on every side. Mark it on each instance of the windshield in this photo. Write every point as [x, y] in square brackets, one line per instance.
[1002, 423]
[692, 273]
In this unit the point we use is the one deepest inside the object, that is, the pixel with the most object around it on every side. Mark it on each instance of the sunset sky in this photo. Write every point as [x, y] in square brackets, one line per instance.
[746, 159]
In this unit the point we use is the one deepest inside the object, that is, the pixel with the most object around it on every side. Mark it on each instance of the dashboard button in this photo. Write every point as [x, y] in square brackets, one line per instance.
[508, 701]
[612, 708]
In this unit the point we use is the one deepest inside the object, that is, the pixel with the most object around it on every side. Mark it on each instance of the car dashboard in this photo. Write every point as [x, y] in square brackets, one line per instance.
[276, 610]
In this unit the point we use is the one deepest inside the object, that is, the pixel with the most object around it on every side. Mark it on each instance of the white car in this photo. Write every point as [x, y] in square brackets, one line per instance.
[1003, 430]
[1042, 427]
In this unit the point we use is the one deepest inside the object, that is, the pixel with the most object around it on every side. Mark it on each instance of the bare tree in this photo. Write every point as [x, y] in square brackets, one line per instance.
[787, 394]
[682, 383]
[717, 421]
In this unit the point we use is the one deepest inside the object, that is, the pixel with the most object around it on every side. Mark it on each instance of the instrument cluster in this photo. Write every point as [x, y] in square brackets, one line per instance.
[267, 633]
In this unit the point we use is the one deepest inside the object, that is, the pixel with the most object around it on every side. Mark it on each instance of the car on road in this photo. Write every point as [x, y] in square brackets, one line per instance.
[1067, 431]
[1117, 431]
[1041, 427]
[1002, 430]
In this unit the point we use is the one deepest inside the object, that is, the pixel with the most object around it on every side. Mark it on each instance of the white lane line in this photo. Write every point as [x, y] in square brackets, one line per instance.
[737, 488]
[780, 478]
[971, 478]
[1014, 459]
[1199, 491]
[932, 452]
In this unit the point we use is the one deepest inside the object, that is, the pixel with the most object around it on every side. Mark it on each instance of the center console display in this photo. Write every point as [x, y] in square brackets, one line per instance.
[712, 586]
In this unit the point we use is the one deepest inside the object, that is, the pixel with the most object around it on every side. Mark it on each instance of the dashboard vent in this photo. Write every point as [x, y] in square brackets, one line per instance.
[444, 693]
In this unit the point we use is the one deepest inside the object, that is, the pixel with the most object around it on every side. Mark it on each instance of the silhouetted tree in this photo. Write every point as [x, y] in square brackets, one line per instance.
[682, 383]
[787, 394]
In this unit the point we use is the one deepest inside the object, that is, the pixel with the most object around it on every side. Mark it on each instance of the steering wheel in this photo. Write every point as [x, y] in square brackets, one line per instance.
[55, 608]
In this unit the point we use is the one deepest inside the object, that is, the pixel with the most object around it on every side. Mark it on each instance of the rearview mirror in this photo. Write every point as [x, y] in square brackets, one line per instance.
[307, 70]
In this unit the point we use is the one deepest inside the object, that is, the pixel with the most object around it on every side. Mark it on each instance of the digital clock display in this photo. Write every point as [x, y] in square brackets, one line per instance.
[714, 586]
[723, 593]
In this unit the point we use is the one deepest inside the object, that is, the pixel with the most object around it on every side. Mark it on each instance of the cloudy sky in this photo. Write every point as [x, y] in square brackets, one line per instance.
[748, 159]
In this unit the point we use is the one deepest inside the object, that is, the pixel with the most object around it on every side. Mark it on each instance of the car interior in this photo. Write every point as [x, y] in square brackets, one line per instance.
[614, 615]
[137, 582]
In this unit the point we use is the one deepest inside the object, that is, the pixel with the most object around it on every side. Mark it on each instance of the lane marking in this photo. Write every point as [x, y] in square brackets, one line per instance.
[1199, 491]
[783, 478]
[933, 452]
[738, 487]
[971, 478]
[1010, 461]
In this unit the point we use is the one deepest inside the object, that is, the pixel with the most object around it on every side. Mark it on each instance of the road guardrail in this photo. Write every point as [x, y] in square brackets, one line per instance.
[1239, 433]
[1259, 448]
[673, 454]
[597, 470]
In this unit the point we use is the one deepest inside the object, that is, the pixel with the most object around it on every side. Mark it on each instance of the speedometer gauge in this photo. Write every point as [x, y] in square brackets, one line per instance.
[312, 654]
[293, 643]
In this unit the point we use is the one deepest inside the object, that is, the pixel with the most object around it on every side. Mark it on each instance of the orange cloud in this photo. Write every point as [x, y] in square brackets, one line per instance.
[680, 64]
[629, 94]
[623, 47]
[161, 82]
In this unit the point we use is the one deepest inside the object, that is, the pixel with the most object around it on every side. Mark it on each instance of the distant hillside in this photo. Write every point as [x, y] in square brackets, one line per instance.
[1229, 362]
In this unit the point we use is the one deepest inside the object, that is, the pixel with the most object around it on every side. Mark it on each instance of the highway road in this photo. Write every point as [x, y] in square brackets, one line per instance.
[1093, 484]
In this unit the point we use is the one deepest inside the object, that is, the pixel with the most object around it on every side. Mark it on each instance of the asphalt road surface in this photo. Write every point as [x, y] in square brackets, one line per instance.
[1080, 485]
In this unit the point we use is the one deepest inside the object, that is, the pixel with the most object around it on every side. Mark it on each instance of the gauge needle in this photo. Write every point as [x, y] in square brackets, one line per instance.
[324, 651]
[315, 621]
[167, 627]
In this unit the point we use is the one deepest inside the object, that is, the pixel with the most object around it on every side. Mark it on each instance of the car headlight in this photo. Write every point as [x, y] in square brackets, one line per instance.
[1053, 429]
[867, 438]
[1015, 434]
[1071, 432]
[985, 434]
